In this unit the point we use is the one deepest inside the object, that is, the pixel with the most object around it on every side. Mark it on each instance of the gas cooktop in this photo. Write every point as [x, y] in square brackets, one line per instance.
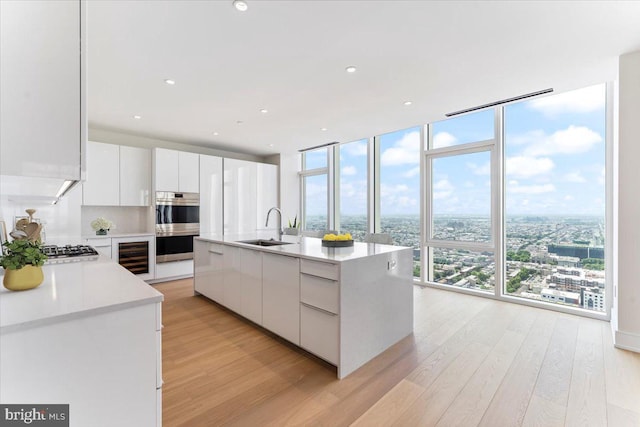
[69, 253]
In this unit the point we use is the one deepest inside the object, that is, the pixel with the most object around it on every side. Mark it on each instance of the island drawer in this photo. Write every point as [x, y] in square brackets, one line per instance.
[216, 248]
[319, 292]
[319, 333]
[320, 269]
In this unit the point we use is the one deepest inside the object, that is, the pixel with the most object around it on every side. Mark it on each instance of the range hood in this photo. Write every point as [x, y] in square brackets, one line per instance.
[34, 190]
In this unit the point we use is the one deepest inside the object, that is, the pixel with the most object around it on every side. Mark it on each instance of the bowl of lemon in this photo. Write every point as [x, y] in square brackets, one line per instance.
[337, 240]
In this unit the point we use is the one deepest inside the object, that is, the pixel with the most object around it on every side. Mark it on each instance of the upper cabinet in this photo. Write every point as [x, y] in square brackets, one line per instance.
[250, 190]
[176, 171]
[117, 175]
[42, 107]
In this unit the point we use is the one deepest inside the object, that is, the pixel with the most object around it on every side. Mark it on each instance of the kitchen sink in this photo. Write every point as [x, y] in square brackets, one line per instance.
[263, 242]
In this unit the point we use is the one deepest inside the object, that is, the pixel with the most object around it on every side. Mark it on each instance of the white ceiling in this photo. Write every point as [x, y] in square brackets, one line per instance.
[290, 57]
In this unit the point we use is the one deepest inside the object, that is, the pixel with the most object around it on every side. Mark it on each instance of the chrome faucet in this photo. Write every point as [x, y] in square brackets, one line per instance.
[266, 224]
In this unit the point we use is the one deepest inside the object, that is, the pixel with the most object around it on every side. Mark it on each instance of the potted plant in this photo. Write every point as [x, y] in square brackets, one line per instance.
[22, 262]
[293, 228]
[101, 226]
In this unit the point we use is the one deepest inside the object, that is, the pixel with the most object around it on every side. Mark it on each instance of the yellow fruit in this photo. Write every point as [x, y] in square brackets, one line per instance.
[331, 237]
[348, 236]
[341, 237]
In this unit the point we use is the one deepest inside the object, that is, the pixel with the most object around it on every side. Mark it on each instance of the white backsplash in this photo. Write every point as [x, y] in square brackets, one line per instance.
[128, 219]
[61, 221]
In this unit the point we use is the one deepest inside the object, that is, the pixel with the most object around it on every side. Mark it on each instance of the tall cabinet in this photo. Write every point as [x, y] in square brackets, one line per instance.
[250, 189]
[42, 107]
[210, 194]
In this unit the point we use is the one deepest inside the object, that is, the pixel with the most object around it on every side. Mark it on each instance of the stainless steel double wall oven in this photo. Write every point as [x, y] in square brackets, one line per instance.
[177, 222]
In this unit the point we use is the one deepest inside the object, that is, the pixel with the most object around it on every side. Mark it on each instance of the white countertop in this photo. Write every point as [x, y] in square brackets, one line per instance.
[116, 235]
[304, 247]
[74, 290]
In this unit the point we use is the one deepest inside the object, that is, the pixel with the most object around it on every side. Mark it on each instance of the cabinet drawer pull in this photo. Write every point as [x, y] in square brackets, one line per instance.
[318, 309]
[319, 277]
[215, 251]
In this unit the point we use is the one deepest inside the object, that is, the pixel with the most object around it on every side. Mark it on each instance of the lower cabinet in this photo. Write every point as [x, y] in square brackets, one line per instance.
[251, 283]
[208, 261]
[319, 332]
[232, 280]
[281, 296]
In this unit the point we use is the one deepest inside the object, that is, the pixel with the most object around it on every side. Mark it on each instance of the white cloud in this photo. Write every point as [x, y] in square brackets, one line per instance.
[469, 184]
[578, 101]
[573, 140]
[443, 139]
[404, 152]
[574, 177]
[349, 170]
[412, 172]
[532, 189]
[442, 189]
[526, 167]
[513, 182]
[480, 170]
[568, 198]
[355, 148]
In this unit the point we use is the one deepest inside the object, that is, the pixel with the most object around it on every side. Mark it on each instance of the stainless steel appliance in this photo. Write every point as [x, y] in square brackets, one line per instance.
[69, 253]
[177, 222]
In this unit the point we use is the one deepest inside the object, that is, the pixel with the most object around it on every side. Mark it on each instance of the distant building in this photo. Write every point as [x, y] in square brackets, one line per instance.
[552, 295]
[568, 261]
[572, 282]
[592, 299]
[577, 251]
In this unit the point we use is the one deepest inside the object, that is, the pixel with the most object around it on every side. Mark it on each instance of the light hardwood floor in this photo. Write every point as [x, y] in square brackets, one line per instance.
[471, 361]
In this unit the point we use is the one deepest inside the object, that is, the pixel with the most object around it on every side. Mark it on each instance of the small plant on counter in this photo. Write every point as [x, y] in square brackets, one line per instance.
[102, 225]
[295, 223]
[20, 253]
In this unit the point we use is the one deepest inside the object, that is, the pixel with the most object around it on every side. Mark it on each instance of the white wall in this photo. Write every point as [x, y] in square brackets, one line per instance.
[626, 322]
[128, 219]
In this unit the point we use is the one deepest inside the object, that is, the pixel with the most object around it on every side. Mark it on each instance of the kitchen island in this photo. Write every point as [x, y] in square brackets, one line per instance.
[89, 336]
[345, 305]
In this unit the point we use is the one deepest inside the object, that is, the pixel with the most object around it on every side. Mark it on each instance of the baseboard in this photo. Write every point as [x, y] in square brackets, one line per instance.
[626, 341]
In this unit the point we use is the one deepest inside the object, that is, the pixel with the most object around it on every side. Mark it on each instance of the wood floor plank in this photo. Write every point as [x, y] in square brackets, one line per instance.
[587, 405]
[391, 406]
[620, 417]
[509, 404]
[544, 413]
[475, 397]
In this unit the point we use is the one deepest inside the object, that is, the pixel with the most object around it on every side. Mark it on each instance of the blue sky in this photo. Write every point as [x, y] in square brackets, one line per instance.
[555, 155]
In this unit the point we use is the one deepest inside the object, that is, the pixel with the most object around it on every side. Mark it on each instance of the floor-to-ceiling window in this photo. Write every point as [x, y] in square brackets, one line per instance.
[315, 189]
[397, 195]
[460, 205]
[555, 198]
[352, 201]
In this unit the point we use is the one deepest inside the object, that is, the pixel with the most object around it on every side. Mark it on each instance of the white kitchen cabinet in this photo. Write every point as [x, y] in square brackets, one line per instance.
[173, 270]
[100, 244]
[117, 175]
[208, 279]
[102, 184]
[188, 172]
[240, 200]
[135, 176]
[319, 332]
[210, 195]
[176, 171]
[281, 296]
[251, 284]
[267, 195]
[233, 279]
[42, 107]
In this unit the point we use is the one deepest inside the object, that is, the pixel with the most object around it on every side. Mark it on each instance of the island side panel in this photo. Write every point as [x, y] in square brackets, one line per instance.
[376, 306]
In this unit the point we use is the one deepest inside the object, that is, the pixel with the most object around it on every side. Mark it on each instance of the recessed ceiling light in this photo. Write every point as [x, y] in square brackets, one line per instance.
[239, 122]
[240, 5]
[137, 117]
[215, 133]
[264, 111]
[323, 129]
[350, 69]
[270, 145]
[408, 103]
[170, 82]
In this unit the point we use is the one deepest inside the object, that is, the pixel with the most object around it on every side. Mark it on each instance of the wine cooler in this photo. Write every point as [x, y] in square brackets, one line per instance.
[136, 254]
